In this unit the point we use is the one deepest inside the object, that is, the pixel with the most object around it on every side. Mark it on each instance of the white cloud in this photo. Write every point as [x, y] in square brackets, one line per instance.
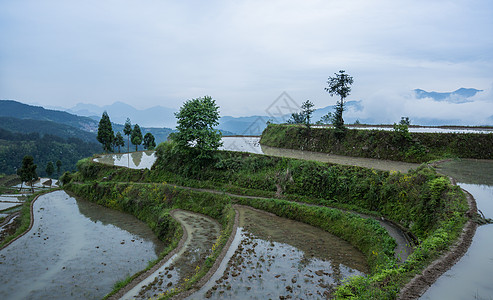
[243, 53]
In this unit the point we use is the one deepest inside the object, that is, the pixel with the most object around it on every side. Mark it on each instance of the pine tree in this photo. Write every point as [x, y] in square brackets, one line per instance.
[136, 137]
[149, 142]
[127, 130]
[119, 142]
[27, 172]
[105, 133]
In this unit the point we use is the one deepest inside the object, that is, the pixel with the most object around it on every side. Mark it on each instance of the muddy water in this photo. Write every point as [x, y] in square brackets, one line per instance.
[142, 160]
[378, 164]
[202, 233]
[273, 257]
[133, 160]
[472, 276]
[76, 249]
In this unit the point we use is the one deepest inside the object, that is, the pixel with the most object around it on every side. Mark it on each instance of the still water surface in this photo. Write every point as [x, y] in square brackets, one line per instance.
[142, 160]
[76, 249]
[472, 276]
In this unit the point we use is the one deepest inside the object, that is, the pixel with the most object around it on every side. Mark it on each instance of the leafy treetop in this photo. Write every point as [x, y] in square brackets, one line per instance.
[196, 134]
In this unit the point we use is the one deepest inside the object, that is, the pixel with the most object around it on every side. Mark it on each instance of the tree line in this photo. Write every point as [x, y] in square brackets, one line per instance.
[109, 140]
[61, 153]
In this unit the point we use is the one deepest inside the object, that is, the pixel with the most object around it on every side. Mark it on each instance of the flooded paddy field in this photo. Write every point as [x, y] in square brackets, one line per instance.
[132, 160]
[251, 144]
[273, 257]
[75, 249]
[472, 276]
[202, 233]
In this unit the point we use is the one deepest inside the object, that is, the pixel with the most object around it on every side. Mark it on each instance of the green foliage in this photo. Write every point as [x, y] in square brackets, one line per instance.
[50, 169]
[196, 135]
[304, 116]
[105, 133]
[119, 142]
[422, 201]
[136, 136]
[339, 85]
[66, 178]
[58, 166]
[401, 137]
[149, 142]
[381, 144]
[152, 204]
[27, 172]
[127, 130]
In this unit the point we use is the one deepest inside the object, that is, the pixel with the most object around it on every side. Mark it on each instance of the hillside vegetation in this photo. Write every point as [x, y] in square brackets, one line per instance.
[46, 148]
[422, 201]
[393, 145]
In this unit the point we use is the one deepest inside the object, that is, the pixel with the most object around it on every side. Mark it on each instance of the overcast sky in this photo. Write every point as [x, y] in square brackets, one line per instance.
[246, 53]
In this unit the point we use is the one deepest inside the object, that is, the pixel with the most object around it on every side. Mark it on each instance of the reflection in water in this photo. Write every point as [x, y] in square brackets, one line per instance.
[273, 257]
[139, 160]
[68, 255]
[472, 276]
[142, 160]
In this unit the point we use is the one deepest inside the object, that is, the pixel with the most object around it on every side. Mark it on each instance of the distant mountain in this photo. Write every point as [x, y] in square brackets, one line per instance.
[461, 95]
[157, 116]
[24, 118]
[10, 108]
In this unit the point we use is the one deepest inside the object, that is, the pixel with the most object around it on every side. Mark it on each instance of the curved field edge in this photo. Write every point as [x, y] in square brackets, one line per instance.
[421, 201]
[142, 199]
[380, 144]
[152, 203]
[26, 218]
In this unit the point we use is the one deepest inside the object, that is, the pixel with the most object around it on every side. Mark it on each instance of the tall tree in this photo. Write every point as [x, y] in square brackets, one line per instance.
[339, 85]
[196, 134]
[50, 168]
[119, 142]
[127, 130]
[27, 172]
[136, 137]
[307, 108]
[149, 141]
[105, 133]
[304, 116]
[58, 166]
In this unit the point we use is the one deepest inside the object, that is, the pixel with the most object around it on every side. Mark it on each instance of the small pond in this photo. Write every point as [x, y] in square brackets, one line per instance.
[76, 249]
[273, 257]
[472, 276]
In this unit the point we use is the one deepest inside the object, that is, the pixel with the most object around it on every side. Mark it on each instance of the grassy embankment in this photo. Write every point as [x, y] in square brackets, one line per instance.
[422, 201]
[398, 145]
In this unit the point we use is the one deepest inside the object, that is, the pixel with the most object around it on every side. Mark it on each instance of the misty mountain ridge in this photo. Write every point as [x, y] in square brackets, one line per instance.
[11, 108]
[156, 116]
[461, 95]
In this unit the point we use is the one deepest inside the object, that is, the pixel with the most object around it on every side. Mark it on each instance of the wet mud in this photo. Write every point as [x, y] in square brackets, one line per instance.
[273, 257]
[202, 233]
